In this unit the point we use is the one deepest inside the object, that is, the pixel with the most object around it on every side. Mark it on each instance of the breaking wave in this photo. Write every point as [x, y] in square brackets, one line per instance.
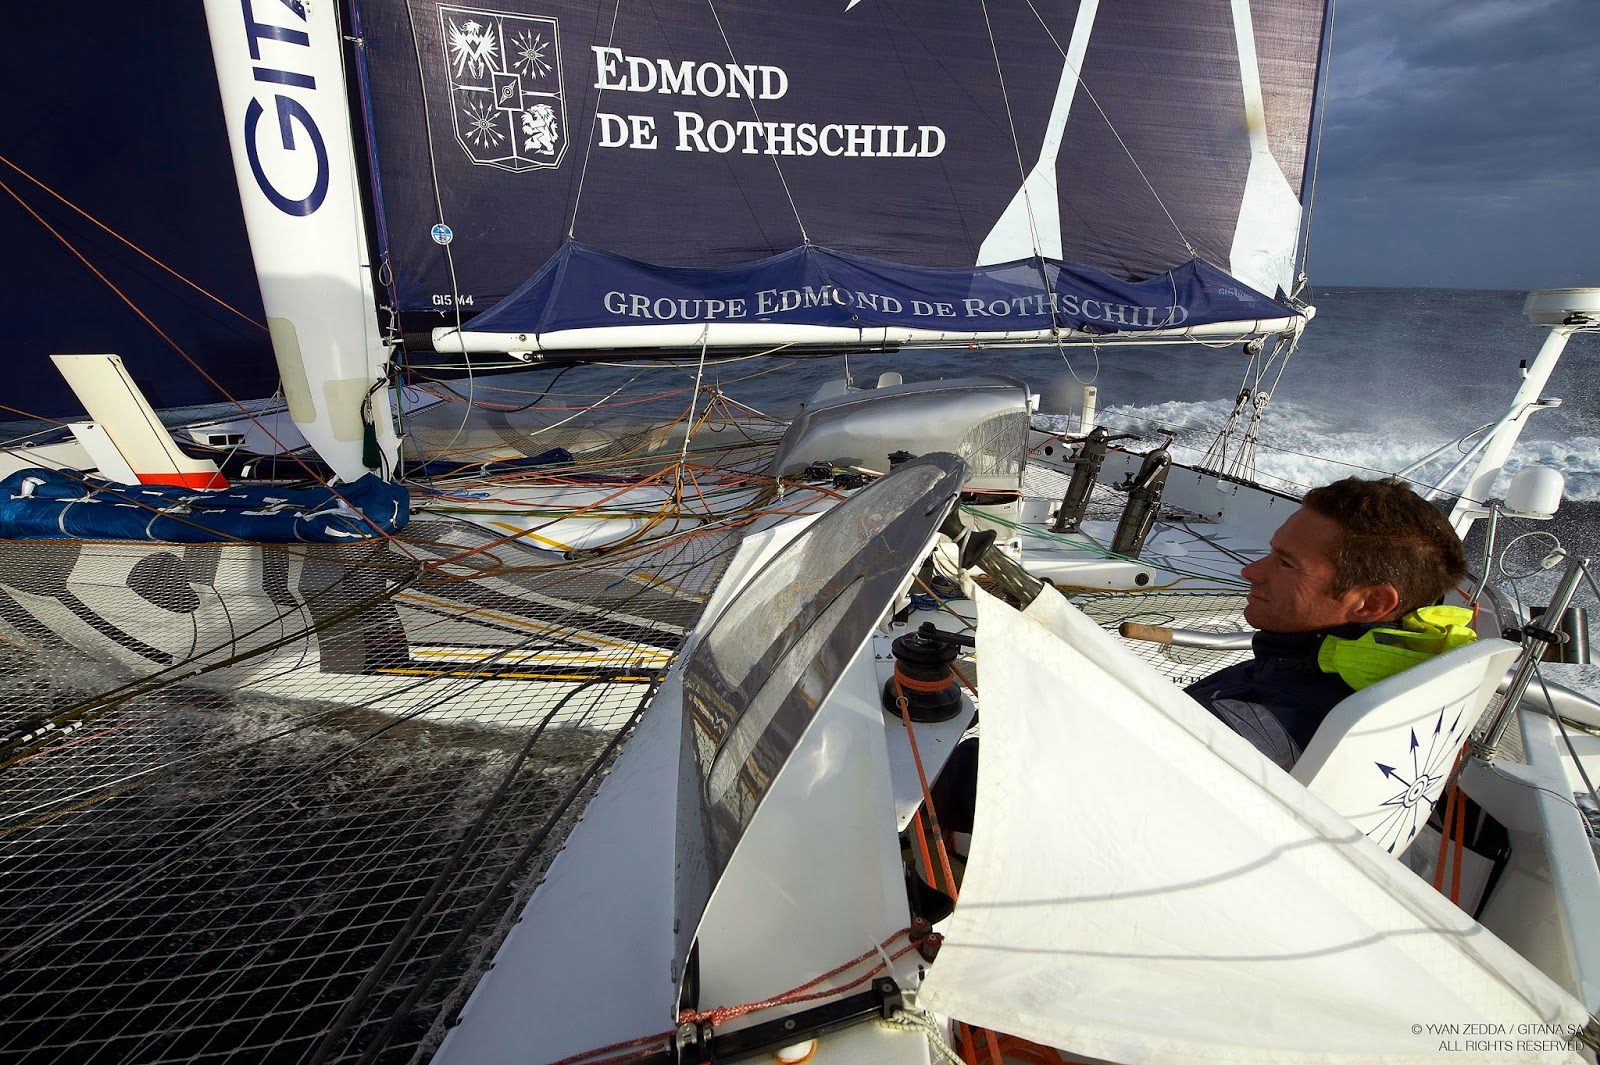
[1301, 447]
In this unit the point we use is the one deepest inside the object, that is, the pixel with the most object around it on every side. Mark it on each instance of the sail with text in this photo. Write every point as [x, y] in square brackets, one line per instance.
[933, 144]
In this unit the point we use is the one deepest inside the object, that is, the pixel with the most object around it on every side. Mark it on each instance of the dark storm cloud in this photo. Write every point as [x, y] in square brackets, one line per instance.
[1460, 145]
[1463, 92]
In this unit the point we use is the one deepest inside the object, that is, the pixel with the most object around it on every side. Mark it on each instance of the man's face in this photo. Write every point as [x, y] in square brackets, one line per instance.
[1289, 588]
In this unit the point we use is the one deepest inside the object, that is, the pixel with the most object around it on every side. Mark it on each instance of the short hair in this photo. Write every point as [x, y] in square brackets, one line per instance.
[1391, 536]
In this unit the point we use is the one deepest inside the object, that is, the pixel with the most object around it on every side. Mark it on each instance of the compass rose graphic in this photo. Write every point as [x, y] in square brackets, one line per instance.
[1431, 763]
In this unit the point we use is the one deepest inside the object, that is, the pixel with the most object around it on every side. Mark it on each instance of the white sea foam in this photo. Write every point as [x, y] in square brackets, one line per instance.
[1301, 447]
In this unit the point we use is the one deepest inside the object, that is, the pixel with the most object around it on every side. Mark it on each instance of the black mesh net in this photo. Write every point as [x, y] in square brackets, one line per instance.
[280, 803]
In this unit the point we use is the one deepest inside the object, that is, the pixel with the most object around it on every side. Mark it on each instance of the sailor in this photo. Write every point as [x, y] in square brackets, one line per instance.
[1342, 598]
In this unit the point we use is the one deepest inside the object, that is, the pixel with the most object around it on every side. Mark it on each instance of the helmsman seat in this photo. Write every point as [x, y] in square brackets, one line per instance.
[1383, 755]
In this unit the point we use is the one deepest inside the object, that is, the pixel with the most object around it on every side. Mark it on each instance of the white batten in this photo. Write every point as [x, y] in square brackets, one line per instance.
[1263, 250]
[1031, 222]
[692, 335]
[283, 97]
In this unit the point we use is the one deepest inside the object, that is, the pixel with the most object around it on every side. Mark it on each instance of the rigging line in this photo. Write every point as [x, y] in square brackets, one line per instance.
[438, 201]
[215, 299]
[35, 417]
[1212, 429]
[804, 237]
[439, 564]
[669, 364]
[1016, 147]
[1011, 122]
[1113, 128]
[398, 362]
[369, 122]
[1027, 199]
[1566, 737]
[1249, 381]
[1316, 159]
[1287, 346]
[594, 122]
[433, 172]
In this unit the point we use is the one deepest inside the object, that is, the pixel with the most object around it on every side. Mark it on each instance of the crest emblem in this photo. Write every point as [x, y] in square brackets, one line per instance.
[506, 98]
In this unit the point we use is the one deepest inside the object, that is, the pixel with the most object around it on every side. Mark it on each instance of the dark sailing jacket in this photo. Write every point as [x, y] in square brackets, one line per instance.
[1277, 699]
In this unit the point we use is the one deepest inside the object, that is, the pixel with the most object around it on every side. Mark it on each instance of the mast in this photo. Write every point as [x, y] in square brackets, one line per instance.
[280, 70]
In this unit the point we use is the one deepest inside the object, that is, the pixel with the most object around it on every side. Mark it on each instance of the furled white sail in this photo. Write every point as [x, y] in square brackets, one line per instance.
[1144, 886]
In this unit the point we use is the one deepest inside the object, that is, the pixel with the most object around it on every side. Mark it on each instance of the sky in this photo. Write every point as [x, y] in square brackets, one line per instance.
[1462, 147]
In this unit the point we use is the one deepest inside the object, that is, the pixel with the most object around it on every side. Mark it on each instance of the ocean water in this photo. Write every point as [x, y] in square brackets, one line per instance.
[1381, 378]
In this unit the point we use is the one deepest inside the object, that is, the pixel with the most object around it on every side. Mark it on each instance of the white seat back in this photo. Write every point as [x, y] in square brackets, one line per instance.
[1383, 755]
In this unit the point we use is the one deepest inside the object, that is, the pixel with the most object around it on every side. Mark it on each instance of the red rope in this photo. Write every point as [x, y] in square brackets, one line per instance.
[208, 295]
[645, 1046]
[927, 802]
[1453, 829]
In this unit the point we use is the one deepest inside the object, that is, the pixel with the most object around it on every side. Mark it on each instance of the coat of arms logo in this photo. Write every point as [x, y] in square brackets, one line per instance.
[506, 98]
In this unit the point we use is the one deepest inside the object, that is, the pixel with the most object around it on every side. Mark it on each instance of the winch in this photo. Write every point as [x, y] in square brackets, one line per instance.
[922, 674]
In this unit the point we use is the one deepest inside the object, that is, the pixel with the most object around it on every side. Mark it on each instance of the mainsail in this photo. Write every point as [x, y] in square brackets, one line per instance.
[702, 137]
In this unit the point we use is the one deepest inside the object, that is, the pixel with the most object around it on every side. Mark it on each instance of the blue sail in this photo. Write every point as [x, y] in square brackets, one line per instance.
[1130, 139]
[586, 288]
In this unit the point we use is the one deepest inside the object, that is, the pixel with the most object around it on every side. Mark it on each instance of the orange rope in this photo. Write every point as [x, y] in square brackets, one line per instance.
[727, 1013]
[927, 801]
[1444, 839]
[196, 366]
[208, 295]
[1453, 826]
[922, 842]
[29, 414]
[1459, 848]
[966, 1043]
[992, 1044]
[927, 687]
